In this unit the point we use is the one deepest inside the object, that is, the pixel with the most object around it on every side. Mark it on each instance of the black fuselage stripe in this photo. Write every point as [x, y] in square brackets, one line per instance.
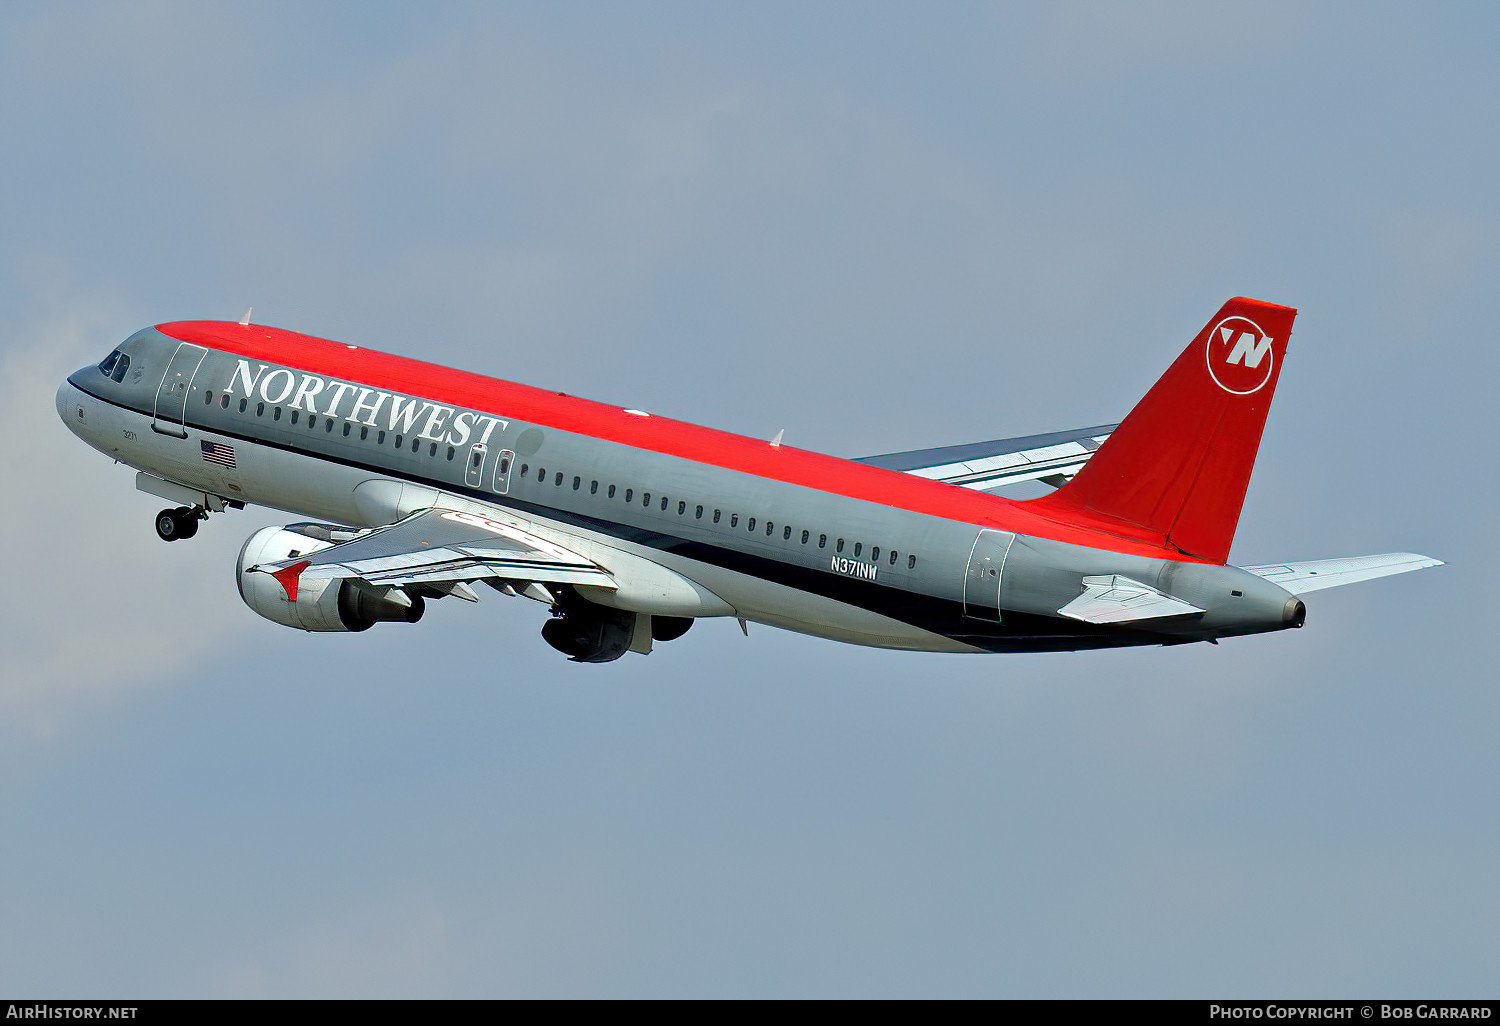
[1019, 632]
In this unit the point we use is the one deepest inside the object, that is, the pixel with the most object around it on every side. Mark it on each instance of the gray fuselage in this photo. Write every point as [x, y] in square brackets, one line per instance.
[784, 554]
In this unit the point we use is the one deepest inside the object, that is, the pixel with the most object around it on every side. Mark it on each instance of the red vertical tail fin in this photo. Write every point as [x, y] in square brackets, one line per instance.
[1180, 463]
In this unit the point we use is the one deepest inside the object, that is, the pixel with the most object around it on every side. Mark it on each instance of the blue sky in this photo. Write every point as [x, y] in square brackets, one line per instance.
[877, 227]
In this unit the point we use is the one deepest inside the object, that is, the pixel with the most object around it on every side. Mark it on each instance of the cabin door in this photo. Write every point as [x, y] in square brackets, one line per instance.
[172, 393]
[982, 582]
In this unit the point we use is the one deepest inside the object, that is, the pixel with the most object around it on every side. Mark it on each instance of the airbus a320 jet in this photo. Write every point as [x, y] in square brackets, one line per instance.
[630, 526]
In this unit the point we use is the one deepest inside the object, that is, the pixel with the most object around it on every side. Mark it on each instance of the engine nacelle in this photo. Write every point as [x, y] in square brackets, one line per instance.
[321, 605]
[587, 633]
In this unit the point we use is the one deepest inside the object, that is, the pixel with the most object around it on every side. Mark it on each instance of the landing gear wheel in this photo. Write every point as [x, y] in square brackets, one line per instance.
[168, 526]
[172, 524]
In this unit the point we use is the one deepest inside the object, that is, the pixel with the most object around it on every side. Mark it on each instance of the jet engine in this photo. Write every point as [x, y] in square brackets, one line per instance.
[589, 633]
[321, 605]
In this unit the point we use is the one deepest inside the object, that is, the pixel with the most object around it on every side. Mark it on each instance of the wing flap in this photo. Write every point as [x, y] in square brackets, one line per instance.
[1115, 599]
[1002, 461]
[1317, 574]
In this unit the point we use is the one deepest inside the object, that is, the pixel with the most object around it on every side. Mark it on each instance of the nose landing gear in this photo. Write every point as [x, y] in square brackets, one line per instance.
[182, 522]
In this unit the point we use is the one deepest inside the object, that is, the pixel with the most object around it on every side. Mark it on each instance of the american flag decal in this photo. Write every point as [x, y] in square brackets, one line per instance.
[223, 455]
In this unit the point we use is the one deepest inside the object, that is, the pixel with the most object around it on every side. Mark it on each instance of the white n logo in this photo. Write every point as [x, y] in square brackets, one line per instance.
[1248, 351]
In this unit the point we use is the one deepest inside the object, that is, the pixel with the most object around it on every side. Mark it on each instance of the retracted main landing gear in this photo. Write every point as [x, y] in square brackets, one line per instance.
[182, 522]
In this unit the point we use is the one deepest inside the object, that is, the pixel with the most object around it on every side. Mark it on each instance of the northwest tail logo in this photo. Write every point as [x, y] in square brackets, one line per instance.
[1240, 355]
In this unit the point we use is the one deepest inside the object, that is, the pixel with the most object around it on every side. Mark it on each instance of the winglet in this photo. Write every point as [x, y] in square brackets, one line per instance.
[289, 576]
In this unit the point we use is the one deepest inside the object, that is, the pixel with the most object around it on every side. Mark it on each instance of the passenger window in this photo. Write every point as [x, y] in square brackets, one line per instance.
[557, 480]
[208, 397]
[260, 409]
[224, 405]
[893, 557]
[805, 536]
[244, 403]
[629, 494]
[874, 553]
[699, 514]
[840, 546]
[857, 547]
[645, 498]
[276, 413]
[294, 414]
[751, 525]
[911, 562]
[664, 503]
[379, 436]
[364, 432]
[541, 474]
[576, 482]
[611, 491]
[350, 427]
[770, 528]
[681, 508]
[786, 534]
[822, 541]
[593, 487]
[525, 469]
[716, 516]
[734, 520]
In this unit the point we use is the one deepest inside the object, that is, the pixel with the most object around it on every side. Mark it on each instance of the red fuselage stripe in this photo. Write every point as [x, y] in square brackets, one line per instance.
[703, 445]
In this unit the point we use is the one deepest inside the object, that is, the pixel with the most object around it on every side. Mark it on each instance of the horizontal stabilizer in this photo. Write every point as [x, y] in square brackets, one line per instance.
[1116, 599]
[1050, 458]
[1317, 574]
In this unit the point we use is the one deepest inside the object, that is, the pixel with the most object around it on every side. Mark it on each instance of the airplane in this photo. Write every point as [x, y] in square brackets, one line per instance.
[630, 526]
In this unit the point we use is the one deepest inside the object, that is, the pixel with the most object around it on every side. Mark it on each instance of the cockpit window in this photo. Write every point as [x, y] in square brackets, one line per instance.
[115, 365]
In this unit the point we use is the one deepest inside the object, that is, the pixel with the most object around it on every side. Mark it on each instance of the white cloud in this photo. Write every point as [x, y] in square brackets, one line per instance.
[95, 604]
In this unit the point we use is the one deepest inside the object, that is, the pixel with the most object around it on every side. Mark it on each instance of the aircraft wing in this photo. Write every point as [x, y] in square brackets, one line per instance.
[438, 547]
[1317, 574]
[1051, 458]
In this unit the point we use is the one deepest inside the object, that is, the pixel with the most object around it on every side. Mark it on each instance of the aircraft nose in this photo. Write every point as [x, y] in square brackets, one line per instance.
[73, 407]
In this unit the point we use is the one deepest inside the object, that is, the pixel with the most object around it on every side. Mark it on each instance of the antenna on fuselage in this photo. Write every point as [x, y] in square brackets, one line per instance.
[246, 319]
[776, 442]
